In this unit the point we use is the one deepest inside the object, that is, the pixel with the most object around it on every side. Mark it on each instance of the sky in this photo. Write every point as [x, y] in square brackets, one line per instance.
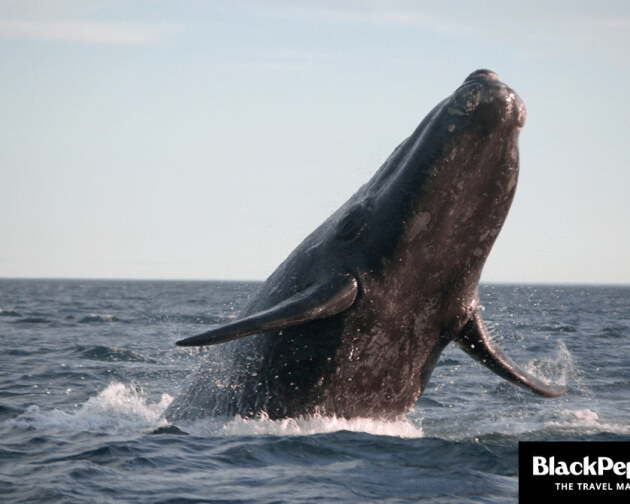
[205, 139]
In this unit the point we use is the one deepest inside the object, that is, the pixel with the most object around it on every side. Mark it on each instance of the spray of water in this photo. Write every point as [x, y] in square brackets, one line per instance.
[556, 369]
[118, 407]
[317, 424]
[126, 408]
[584, 421]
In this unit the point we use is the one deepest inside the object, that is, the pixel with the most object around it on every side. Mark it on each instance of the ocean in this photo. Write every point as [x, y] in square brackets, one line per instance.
[88, 367]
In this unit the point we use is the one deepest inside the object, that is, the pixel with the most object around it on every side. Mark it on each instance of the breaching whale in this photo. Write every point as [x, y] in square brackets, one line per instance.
[353, 322]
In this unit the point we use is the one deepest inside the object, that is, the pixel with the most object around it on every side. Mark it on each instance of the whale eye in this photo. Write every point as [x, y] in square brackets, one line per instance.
[351, 226]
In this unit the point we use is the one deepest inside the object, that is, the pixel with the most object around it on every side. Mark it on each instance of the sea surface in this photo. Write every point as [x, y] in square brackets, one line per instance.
[88, 367]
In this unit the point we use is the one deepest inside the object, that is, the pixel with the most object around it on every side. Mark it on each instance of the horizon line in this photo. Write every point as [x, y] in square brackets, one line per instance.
[235, 280]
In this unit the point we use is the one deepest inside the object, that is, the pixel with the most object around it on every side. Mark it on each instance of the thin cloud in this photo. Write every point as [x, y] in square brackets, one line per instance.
[84, 32]
[378, 14]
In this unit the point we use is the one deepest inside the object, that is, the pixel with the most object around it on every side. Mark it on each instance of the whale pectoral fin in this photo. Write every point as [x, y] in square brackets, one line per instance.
[475, 340]
[321, 300]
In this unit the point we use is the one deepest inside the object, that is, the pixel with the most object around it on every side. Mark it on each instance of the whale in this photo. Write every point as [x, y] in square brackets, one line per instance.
[353, 322]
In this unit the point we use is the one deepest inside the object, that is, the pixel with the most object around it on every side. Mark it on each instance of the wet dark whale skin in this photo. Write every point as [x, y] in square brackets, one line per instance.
[415, 239]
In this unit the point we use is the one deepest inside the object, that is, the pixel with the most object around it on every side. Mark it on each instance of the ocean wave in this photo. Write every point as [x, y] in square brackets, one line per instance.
[195, 319]
[8, 411]
[110, 354]
[556, 328]
[33, 320]
[9, 313]
[615, 331]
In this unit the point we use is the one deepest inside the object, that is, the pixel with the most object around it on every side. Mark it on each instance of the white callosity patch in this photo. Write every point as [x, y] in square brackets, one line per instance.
[420, 223]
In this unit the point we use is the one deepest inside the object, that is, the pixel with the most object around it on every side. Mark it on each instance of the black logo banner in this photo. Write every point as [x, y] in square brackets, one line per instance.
[574, 472]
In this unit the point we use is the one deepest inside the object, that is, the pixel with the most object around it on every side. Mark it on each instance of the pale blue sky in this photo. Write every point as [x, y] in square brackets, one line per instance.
[205, 140]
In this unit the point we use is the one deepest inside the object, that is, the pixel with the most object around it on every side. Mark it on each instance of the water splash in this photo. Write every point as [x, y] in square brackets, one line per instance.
[126, 408]
[306, 426]
[118, 407]
[585, 421]
[553, 370]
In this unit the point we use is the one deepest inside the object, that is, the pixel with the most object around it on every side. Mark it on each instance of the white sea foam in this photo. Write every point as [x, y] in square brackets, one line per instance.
[96, 317]
[585, 421]
[317, 424]
[126, 408]
[118, 407]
